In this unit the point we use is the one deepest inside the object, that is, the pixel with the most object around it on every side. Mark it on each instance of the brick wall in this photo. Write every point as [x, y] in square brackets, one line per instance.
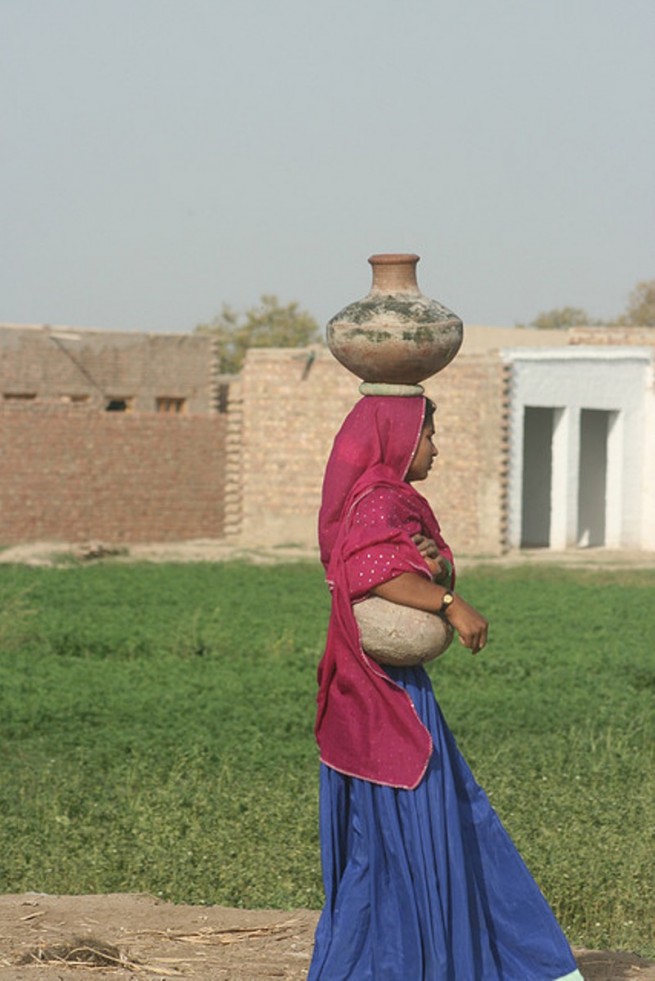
[71, 474]
[55, 364]
[467, 486]
[291, 410]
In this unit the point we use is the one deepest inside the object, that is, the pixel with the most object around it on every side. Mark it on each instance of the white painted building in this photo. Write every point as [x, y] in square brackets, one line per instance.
[582, 447]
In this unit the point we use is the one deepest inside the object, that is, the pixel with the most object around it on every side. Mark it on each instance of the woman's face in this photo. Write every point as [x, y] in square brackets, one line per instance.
[426, 452]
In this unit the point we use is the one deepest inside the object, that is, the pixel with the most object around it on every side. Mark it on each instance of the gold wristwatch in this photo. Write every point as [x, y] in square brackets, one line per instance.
[447, 600]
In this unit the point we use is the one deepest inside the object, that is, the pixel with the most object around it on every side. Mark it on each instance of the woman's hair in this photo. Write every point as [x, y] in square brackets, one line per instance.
[430, 409]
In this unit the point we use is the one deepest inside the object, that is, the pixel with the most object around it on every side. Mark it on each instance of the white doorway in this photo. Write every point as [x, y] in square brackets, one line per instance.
[536, 497]
[595, 427]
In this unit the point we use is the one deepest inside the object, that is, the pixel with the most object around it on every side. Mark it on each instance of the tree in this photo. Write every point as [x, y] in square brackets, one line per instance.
[559, 319]
[640, 311]
[268, 325]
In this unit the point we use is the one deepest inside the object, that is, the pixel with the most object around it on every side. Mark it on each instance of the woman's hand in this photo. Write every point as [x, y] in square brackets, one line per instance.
[426, 546]
[438, 566]
[471, 626]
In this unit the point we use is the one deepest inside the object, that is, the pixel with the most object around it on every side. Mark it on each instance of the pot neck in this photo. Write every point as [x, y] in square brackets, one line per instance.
[394, 273]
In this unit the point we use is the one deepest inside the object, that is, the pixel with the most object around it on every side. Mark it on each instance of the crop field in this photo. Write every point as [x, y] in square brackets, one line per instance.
[156, 733]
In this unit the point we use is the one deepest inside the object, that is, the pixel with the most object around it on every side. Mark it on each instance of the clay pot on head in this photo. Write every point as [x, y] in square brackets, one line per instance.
[394, 337]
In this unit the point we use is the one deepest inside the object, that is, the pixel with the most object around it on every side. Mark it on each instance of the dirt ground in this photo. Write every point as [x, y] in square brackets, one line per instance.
[139, 936]
[218, 550]
[90, 938]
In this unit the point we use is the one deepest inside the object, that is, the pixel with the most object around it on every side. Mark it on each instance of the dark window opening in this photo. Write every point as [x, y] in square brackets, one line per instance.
[74, 399]
[119, 405]
[222, 396]
[171, 406]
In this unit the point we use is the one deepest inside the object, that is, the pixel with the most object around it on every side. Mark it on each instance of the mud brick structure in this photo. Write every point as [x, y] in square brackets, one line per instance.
[290, 414]
[116, 436]
[546, 439]
[100, 369]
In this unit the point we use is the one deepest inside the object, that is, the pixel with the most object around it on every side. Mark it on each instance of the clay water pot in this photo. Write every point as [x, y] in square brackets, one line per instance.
[400, 635]
[394, 337]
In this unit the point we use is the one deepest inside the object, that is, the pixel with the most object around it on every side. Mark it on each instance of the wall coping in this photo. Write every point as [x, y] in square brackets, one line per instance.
[107, 331]
[587, 352]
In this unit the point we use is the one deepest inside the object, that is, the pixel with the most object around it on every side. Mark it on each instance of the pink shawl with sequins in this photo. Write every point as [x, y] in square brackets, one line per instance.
[366, 724]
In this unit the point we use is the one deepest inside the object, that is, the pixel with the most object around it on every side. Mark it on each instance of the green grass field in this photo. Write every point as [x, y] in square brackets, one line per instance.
[156, 733]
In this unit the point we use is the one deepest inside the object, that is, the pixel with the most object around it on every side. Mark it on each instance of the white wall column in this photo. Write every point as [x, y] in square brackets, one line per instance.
[559, 515]
[648, 519]
[614, 500]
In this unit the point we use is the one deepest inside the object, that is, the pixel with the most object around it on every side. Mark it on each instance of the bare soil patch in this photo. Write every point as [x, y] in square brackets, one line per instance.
[53, 938]
[222, 550]
[120, 937]
[199, 550]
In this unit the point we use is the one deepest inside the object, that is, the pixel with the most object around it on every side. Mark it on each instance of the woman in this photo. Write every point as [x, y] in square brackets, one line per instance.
[422, 882]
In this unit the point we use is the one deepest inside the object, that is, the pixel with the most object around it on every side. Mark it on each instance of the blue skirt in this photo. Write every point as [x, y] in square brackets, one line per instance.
[426, 884]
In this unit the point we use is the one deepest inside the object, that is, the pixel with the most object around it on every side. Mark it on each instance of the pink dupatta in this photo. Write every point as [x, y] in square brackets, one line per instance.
[366, 724]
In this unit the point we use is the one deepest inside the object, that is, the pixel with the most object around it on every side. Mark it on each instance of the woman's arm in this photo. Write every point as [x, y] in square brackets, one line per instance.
[412, 589]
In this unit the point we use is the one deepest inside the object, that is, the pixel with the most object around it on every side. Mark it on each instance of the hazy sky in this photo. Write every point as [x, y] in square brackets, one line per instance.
[161, 157]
